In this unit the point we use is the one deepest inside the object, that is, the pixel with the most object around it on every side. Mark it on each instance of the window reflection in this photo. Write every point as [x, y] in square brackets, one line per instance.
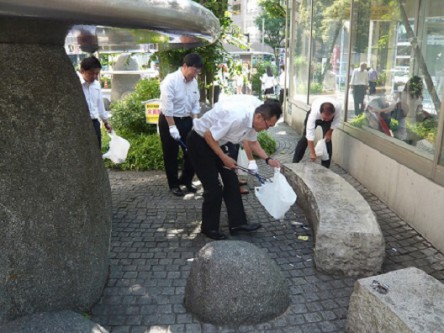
[401, 44]
[409, 61]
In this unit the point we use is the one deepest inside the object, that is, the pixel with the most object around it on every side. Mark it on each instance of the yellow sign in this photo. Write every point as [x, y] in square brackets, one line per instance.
[152, 111]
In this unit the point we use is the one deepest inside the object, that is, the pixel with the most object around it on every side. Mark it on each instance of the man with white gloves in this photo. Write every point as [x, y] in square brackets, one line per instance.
[179, 104]
[234, 120]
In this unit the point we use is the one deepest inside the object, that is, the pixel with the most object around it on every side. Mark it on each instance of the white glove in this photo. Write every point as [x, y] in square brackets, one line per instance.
[174, 132]
[252, 166]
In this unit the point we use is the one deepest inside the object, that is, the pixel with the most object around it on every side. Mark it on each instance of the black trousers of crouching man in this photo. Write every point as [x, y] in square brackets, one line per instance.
[208, 166]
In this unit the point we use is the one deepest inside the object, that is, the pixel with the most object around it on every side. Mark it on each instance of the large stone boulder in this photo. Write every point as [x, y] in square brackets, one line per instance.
[55, 196]
[53, 322]
[402, 301]
[233, 283]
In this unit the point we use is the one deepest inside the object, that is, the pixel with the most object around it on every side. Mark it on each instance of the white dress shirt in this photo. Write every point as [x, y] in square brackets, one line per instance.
[359, 78]
[179, 98]
[230, 120]
[315, 114]
[267, 81]
[94, 99]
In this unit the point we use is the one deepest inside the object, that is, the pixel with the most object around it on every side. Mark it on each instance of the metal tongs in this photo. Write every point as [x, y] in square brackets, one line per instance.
[261, 179]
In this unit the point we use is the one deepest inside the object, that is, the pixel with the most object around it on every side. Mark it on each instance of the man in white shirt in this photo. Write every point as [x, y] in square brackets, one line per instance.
[359, 83]
[372, 78]
[89, 72]
[283, 85]
[325, 112]
[179, 104]
[214, 129]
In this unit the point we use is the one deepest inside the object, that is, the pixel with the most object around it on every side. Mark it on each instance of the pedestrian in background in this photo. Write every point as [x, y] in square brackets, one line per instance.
[89, 73]
[214, 129]
[325, 112]
[359, 83]
[283, 85]
[372, 78]
[179, 104]
[268, 82]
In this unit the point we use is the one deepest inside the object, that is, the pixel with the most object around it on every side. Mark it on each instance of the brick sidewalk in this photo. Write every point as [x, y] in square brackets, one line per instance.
[156, 235]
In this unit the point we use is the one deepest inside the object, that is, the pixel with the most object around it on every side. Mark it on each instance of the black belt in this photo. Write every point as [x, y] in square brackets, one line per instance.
[176, 117]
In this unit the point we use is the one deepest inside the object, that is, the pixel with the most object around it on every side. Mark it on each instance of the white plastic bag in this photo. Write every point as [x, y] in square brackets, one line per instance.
[118, 148]
[276, 196]
[242, 161]
[321, 150]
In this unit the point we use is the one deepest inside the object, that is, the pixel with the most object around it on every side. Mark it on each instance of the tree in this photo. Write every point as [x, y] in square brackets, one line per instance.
[212, 55]
[273, 19]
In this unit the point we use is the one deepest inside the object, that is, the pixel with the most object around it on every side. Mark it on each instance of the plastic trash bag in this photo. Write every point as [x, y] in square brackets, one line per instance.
[321, 150]
[242, 161]
[118, 148]
[276, 196]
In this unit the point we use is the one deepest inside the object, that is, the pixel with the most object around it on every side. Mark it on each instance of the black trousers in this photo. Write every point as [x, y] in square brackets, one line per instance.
[96, 124]
[358, 98]
[208, 167]
[301, 147]
[170, 148]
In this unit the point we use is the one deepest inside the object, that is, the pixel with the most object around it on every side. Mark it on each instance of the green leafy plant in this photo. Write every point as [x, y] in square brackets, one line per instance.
[128, 120]
[145, 153]
[394, 124]
[359, 121]
[267, 142]
[128, 115]
[427, 129]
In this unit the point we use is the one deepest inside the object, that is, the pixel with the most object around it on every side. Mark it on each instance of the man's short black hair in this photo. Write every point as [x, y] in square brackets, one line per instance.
[90, 63]
[193, 60]
[328, 107]
[271, 107]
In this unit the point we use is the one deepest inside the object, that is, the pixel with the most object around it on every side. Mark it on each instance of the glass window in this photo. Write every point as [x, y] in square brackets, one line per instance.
[398, 68]
[331, 26]
[300, 52]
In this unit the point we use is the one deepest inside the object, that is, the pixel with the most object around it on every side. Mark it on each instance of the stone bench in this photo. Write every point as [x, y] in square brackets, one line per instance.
[414, 302]
[348, 239]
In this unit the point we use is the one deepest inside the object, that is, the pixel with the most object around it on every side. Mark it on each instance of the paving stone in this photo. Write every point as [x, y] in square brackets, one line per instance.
[155, 235]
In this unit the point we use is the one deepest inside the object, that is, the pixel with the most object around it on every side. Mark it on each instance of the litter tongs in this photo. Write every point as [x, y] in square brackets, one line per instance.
[261, 179]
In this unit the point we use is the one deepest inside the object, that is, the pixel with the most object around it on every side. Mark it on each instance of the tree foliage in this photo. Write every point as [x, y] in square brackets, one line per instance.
[212, 55]
[273, 19]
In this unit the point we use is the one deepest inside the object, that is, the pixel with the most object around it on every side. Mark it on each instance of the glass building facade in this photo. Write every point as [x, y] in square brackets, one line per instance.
[398, 47]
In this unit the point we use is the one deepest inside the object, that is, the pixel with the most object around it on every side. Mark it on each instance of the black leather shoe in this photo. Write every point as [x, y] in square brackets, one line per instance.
[245, 228]
[191, 188]
[214, 234]
[177, 191]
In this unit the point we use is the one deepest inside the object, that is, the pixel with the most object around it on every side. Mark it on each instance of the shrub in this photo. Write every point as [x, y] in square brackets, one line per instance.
[145, 153]
[427, 129]
[128, 120]
[267, 142]
[128, 114]
[359, 121]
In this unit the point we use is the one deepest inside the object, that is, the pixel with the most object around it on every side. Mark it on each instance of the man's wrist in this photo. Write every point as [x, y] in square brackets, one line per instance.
[268, 159]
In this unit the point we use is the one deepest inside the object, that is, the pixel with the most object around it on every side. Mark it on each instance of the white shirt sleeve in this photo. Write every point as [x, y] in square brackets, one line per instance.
[311, 125]
[167, 96]
[101, 106]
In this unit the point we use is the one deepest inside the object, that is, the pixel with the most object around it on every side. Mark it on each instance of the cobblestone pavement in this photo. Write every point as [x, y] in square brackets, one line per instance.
[156, 235]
